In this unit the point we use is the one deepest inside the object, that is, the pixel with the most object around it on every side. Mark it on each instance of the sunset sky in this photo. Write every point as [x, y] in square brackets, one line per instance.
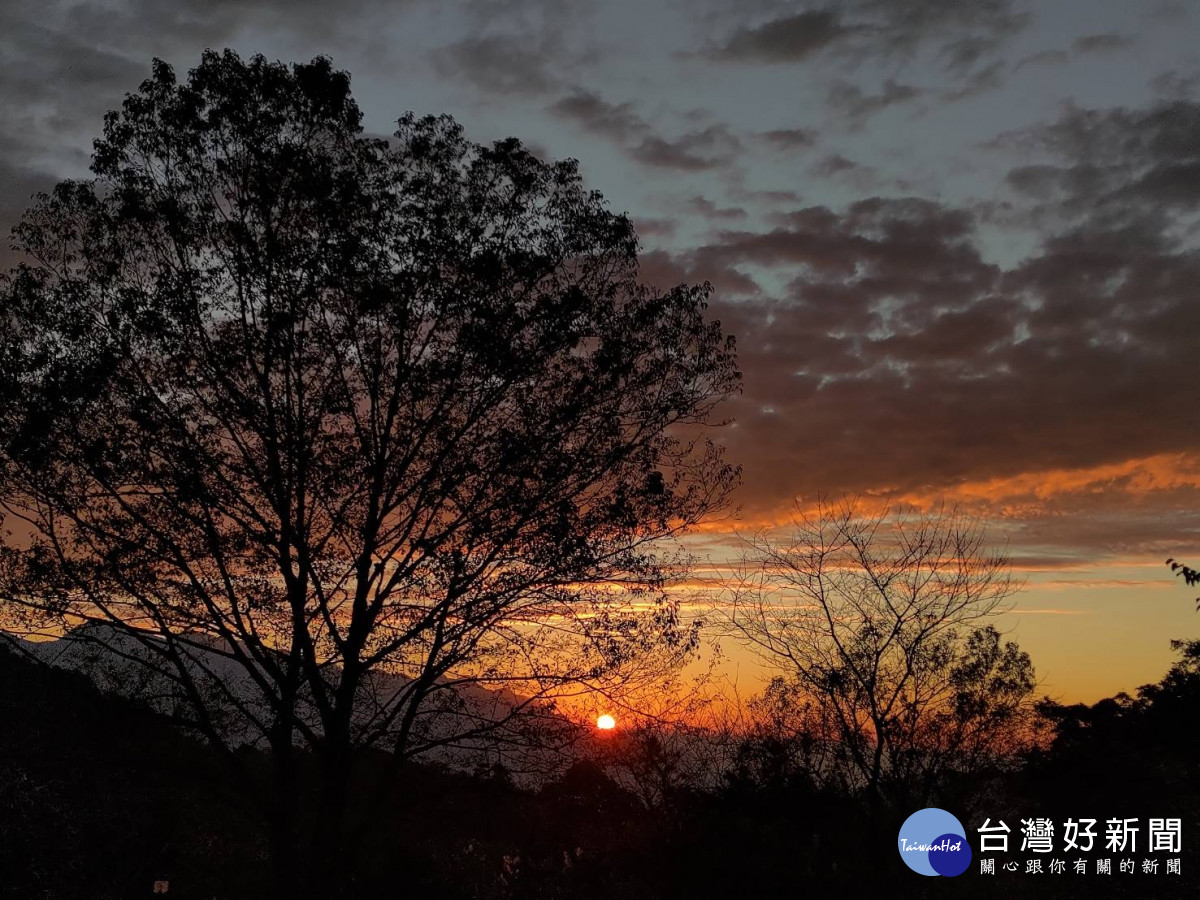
[956, 239]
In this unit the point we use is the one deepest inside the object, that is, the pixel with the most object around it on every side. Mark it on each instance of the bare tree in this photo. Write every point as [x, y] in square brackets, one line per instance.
[886, 681]
[344, 442]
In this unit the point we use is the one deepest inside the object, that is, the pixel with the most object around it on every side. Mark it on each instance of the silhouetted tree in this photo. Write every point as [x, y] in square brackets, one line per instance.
[887, 683]
[324, 434]
[1149, 738]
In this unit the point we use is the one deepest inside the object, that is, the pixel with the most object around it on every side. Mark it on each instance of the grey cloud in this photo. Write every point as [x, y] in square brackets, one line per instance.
[771, 197]
[705, 207]
[615, 121]
[836, 164]
[518, 46]
[862, 178]
[857, 105]
[787, 39]
[1102, 43]
[1115, 166]
[960, 32]
[707, 148]
[662, 269]
[501, 64]
[1076, 528]
[655, 227]
[1085, 45]
[986, 79]
[901, 360]
[1044, 58]
[1174, 85]
[790, 138]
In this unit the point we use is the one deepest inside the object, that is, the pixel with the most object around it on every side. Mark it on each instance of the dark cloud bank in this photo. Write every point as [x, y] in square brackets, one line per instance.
[899, 359]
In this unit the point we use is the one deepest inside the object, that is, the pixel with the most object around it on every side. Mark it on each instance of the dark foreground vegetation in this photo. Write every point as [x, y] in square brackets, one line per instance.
[99, 799]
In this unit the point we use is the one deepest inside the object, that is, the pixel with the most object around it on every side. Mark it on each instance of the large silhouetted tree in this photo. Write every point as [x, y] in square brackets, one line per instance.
[344, 442]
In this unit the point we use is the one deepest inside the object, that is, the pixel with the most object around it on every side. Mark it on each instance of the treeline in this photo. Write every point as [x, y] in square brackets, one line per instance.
[100, 799]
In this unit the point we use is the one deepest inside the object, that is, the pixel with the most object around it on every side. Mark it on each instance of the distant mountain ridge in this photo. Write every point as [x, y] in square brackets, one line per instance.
[494, 725]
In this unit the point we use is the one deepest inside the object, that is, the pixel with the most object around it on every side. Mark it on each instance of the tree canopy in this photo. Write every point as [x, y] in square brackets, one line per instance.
[325, 432]
[891, 677]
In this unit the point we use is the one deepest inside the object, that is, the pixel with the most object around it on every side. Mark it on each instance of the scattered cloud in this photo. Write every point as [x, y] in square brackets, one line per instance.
[503, 64]
[518, 47]
[1044, 58]
[614, 121]
[655, 227]
[901, 362]
[790, 139]
[662, 269]
[1136, 169]
[856, 105]
[960, 33]
[1174, 85]
[986, 79]
[1085, 45]
[788, 39]
[706, 208]
[1102, 43]
[835, 164]
[707, 148]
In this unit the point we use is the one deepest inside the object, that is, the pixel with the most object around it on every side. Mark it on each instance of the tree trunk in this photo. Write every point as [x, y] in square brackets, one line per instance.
[285, 861]
[284, 820]
[329, 857]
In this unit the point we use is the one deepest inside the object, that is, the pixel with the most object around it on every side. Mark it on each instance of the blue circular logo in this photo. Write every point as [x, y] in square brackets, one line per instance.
[933, 842]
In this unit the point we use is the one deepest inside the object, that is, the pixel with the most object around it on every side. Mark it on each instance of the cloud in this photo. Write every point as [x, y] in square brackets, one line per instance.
[787, 39]
[709, 148]
[1102, 583]
[1102, 43]
[502, 64]
[616, 122]
[842, 168]
[1085, 45]
[856, 105]
[964, 37]
[789, 139]
[1116, 167]
[655, 227]
[518, 47]
[714, 146]
[777, 197]
[664, 270]
[835, 164]
[702, 206]
[959, 32]
[1044, 58]
[978, 82]
[1174, 85]
[900, 362]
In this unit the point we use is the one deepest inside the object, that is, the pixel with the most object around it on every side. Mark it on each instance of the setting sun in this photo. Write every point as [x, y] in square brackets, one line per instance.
[606, 722]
